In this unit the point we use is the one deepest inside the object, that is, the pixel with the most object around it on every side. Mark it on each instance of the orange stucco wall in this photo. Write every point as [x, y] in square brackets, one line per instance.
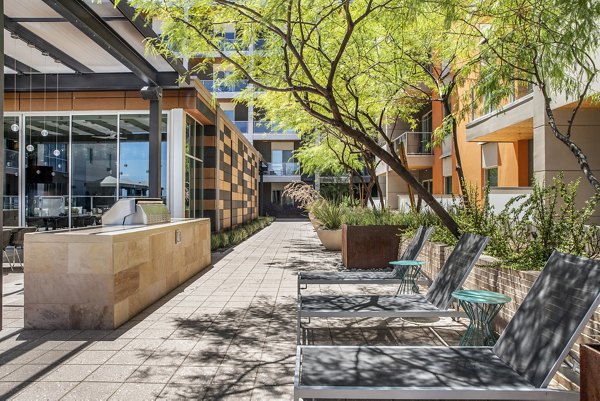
[513, 164]
[437, 116]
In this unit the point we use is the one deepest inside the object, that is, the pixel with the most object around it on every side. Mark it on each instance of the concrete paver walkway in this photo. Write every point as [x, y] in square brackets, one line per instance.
[228, 333]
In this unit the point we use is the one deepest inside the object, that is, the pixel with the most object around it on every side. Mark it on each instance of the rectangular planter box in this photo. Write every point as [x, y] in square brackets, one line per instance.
[590, 372]
[370, 247]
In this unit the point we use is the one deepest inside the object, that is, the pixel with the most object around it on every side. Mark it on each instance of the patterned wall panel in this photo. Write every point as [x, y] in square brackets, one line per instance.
[229, 157]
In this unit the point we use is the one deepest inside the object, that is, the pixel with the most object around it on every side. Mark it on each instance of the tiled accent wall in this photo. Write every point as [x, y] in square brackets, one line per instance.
[488, 274]
[230, 176]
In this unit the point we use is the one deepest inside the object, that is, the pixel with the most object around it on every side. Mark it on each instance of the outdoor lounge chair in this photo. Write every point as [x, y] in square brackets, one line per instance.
[519, 367]
[394, 277]
[435, 303]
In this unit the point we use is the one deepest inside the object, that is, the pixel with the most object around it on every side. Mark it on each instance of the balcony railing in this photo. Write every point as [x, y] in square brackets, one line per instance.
[266, 127]
[224, 88]
[242, 125]
[415, 143]
[283, 169]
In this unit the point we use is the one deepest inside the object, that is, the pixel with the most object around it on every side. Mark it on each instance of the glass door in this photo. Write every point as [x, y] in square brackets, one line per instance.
[10, 202]
[193, 168]
[47, 171]
[94, 174]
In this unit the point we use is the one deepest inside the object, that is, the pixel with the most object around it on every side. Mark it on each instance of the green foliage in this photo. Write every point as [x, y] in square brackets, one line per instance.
[232, 237]
[325, 153]
[225, 239]
[531, 227]
[527, 230]
[215, 242]
[373, 217]
[330, 214]
[238, 235]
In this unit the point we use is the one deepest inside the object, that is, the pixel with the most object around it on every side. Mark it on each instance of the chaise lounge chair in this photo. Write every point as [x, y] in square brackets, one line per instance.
[519, 367]
[435, 303]
[366, 277]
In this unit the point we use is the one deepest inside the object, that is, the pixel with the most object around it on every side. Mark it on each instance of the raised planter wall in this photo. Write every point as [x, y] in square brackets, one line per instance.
[489, 275]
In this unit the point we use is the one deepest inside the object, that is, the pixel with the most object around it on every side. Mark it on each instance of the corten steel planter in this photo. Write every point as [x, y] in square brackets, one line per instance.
[370, 247]
[331, 239]
[590, 372]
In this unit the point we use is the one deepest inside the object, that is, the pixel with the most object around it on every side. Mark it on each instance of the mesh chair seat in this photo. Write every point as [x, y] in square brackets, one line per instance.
[519, 367]
[414, 305]
[349, 278]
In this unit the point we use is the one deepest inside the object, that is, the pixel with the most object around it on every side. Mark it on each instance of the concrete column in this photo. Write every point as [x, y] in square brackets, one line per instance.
[154, 95]
[552, 157]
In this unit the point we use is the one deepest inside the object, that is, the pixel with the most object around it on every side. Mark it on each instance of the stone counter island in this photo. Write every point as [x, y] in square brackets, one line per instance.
[99, 278]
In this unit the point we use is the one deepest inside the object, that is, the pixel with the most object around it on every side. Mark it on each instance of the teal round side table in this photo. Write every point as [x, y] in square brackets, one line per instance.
[481, 307]
[407, 271]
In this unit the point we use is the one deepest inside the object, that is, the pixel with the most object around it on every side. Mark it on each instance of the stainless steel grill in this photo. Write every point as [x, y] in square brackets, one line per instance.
[135, 211]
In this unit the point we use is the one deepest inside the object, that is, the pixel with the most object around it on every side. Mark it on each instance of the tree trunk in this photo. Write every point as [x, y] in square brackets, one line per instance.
[575, 149]
[459, 171]
[399, 169]
[380, 193]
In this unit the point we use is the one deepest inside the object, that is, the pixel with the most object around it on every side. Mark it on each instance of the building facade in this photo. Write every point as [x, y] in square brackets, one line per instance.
[96, 118]
[70, 155]
[275, 144]
[506, 148]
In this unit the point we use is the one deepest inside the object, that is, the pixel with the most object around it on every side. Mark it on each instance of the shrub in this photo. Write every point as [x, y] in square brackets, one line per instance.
[238, 235]
[329, 214]
[225, 241]
[373, 217]
[527, 230]
[530, 227]
[234, 236]
[215, 242]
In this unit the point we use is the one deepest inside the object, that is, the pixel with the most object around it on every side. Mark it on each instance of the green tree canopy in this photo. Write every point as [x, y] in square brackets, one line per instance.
[338, 60]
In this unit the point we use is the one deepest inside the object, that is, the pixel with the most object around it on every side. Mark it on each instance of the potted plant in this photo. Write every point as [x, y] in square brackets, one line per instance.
[370, 238]
[329, 215]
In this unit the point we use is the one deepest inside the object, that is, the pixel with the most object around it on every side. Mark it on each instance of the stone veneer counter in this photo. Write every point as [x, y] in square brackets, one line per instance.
[99, 278]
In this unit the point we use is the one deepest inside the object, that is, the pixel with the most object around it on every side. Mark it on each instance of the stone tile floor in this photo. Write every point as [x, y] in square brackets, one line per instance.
[228, 333]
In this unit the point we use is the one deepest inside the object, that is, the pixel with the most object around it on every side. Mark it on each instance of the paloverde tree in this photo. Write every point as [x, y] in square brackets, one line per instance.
[328, 152]
[445, 50]
[334, 58]
[550, 44]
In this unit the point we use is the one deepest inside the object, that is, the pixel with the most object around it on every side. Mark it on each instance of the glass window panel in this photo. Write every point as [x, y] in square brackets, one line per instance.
[11, 171]
[230, 114]
[46, 171]
[193, 169]
[491, 176]
[135, 155]
[94, 173]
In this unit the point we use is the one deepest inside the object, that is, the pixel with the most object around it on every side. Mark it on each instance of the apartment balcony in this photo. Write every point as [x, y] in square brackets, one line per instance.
[223, 90]
[267, 131]
[282, 172]
[419, 152]
[242, 126]
[509, 123]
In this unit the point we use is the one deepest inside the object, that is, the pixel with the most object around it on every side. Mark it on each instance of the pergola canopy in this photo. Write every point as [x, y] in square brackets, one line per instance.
[84, 44]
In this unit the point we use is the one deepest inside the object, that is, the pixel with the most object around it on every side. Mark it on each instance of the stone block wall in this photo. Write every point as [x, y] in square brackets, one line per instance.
[488, 274]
